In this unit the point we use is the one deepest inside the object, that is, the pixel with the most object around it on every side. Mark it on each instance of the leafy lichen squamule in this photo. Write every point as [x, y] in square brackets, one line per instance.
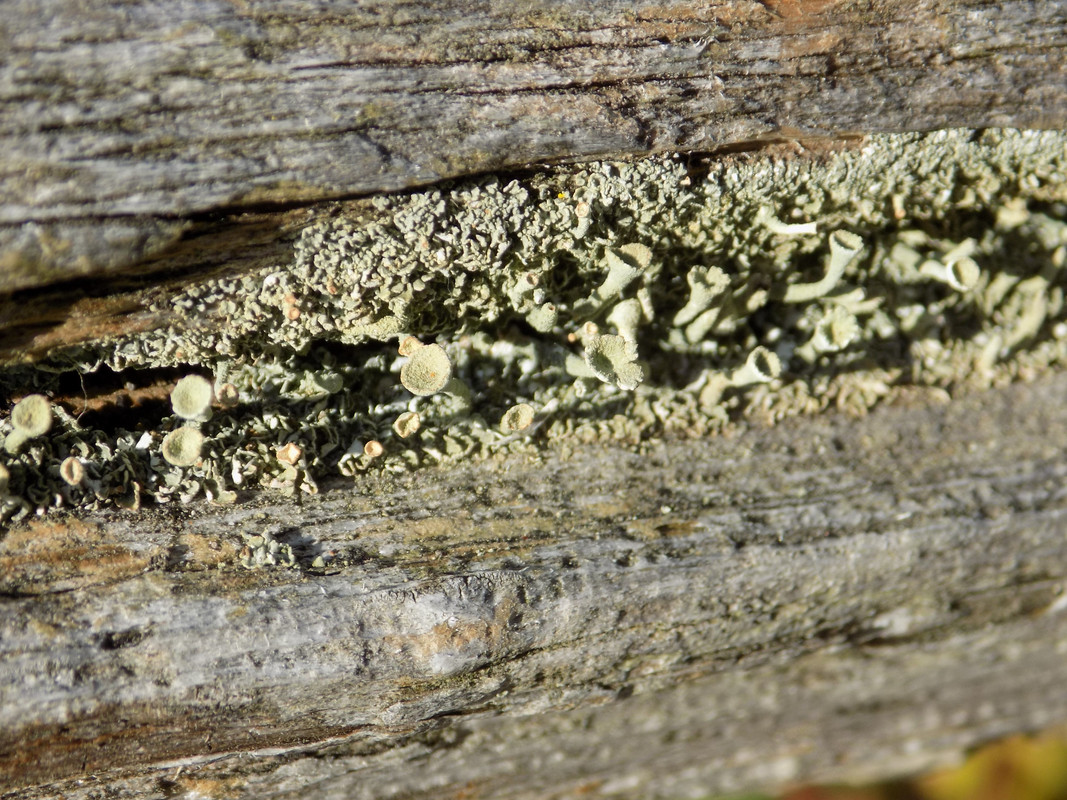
[618, 300]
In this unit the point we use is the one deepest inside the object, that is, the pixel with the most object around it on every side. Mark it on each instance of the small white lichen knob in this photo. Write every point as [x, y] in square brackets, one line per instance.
[428, 370]
[626, 317]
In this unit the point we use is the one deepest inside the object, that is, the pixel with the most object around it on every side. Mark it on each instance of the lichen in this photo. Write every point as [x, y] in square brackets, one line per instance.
[614, 300]
[517, 418]
[427, 371]
[31, 417]
[407, 424]
[191, 398]
[182, 447]
[613, 359]
[265, 549]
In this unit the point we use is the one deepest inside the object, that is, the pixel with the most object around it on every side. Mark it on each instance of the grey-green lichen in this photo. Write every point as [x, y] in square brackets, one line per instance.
[182, 447]
[614, 299]
[191, 398]
[265, 549]
[31, 417]
[427, 371]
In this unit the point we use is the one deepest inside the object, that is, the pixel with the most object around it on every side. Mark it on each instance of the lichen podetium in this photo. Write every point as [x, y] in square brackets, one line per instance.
[622, 300]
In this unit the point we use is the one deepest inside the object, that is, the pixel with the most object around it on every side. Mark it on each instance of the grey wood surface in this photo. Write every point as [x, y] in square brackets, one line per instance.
[126, 125]
[832, 598]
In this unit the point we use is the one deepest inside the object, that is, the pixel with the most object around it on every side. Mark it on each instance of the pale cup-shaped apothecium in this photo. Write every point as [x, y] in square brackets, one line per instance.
[625, 265]
[182, 447]
[32, 415]
[761, 366]
[844, 247]
[289, 453]
[408, 345]
[706, 286]
[517, 418]
[613, 359]
[228, 395]
[962, 274]
[427, 371]
[407, 424]
[835, 331]
[72, 471]
[191, 397]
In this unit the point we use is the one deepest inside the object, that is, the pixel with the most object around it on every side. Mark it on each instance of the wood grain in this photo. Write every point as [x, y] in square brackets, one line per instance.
[831, 598]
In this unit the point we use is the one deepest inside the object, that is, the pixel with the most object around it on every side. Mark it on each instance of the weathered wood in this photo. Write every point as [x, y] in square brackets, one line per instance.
[894, 180]
[831, 598]
[122, 125]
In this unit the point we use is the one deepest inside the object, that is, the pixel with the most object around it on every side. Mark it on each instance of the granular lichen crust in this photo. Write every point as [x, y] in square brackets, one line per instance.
[614, 299]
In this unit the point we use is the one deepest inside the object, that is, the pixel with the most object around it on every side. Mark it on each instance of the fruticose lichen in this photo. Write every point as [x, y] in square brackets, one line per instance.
[31, 417]
[614, 300]
[191, 398]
